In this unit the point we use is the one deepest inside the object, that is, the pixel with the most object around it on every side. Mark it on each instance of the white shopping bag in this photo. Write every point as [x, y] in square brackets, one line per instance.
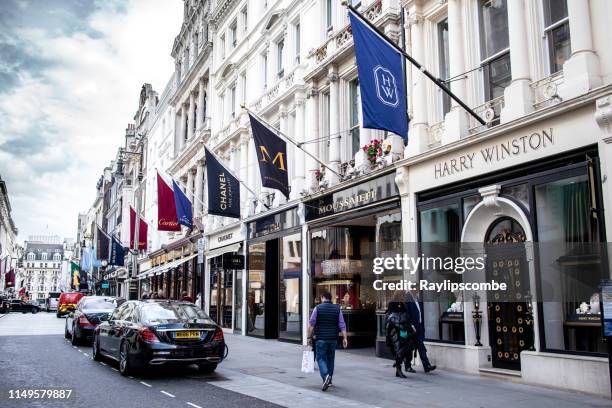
[308, 361]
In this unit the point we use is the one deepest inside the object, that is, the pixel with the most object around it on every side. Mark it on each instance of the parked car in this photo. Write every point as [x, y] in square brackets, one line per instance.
[18, 305]
[141, 334]
[90, 312]
[53, 301]
[67, 302]
[5, 304]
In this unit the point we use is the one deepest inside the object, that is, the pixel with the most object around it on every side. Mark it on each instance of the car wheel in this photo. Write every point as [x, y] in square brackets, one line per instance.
[66, 332]
[207, 368]
[34, 311]
[74, 340]
[124, 358]
[95, 349]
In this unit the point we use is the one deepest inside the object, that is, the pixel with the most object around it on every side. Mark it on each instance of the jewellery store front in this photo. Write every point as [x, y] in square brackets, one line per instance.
[531, 203]
[348, 228]
[225, 268]
[274, 290]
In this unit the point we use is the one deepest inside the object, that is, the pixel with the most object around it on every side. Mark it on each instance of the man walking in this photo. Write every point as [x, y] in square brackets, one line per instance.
[415, 315]
[326, 321]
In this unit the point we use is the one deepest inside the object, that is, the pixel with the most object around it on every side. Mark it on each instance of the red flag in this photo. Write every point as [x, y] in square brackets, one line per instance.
[9, 279]
[142, 231]
[167, 219]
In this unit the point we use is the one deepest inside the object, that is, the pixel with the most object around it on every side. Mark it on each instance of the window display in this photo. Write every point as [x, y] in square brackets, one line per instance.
[290, 321]
[256, 289]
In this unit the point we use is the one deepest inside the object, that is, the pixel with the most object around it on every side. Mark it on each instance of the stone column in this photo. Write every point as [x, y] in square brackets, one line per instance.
[190, 117]
[199, 188]
[252, 172]
[456, 120]
[190, 189]
[418, 139]
[244, 160]
[200, 117]
[334, 125]
[312, 119]
[299, 165]
[182, 127]
[581, 71]
[518, 96]
[290, 163]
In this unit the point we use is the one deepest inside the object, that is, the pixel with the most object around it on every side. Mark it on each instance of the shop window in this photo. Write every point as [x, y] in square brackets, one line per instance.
[238, 300]
[519, 192]
[290, 321]
[280, 50]
[329, 21]
[440, 232]
[570, 264]
[557, 33]
[495, 47]
[469, 203]
[256, 289]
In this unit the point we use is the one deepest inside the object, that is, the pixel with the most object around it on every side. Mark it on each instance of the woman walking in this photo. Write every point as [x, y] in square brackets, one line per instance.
[399, 339]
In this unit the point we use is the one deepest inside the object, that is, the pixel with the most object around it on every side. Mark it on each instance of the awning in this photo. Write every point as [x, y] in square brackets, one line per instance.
[220, 251]
[174, 264]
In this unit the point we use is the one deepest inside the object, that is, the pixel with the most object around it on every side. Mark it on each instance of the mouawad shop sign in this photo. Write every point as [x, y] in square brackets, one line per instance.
[496, 152]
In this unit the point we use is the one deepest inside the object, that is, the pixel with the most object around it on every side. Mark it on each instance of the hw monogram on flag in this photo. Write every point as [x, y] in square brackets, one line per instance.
[381, 80]
[167, 219]
[272, 156]
[223, 189]
[184, 212]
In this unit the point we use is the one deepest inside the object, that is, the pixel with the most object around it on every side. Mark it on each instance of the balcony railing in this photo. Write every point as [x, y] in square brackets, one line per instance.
[489, 111]
[546, 90]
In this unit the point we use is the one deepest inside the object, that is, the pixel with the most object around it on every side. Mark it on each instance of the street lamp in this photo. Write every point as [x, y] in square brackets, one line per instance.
[477, 318]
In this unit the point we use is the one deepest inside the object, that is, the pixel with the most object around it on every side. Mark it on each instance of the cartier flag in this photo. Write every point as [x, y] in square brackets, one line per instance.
[142, 231]
[167, 219]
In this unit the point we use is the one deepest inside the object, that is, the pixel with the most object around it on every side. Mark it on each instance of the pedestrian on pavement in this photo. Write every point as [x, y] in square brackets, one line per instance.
[400, 338]
[415, 314]
[326, 321]
[185, 297]
[145, 296]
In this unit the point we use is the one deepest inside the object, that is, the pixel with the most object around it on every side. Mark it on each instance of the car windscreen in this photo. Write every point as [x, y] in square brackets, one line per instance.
[160, 313]
[99, 304]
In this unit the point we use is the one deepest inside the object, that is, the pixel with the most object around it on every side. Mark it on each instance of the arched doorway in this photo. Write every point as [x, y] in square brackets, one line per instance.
[510, 316]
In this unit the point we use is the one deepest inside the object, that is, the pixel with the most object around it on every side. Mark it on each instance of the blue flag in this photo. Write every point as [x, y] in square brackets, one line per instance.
[272, 157]
[184, 213]
[117, 253]
[223, 189]
[381, 80]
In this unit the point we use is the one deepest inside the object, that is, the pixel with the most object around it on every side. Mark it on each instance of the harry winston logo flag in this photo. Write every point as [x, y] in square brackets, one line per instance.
[223, 189]
[272, 156]
[183, 207]
[167, 219]
[381, 80]
[142, 231]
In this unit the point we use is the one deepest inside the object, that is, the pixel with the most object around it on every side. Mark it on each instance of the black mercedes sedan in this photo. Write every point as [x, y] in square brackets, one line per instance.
[18, 305]
[89, 312]
[142, 334]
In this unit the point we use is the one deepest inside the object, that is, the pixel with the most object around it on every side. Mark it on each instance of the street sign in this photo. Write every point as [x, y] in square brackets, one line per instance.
[105, 285]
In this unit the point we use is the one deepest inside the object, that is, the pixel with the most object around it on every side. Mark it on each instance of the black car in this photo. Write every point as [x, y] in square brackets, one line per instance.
[5, 305]
[89, 312]
[141, 334]
[18, 305]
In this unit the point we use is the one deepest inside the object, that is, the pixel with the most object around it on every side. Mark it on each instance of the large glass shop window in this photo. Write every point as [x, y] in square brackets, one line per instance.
[342, 264]
[440, 229]
[388, 244]
[256, 289]
[570, 264]
[290, 321]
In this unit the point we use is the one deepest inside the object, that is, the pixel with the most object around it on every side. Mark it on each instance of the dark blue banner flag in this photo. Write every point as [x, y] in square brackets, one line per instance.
[184, 213]
[381, 80]
[117, 253]
[272, 156]
[223, 189]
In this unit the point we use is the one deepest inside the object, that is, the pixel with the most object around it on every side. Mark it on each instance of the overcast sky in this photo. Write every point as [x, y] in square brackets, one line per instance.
[70, 77]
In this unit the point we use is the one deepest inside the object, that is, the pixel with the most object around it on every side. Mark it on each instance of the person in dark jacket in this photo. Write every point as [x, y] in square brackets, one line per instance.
[415, 316]
[326, 321]
[400, 339]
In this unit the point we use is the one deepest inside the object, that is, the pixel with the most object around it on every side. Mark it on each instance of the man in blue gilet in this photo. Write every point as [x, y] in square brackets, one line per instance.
[326, 321]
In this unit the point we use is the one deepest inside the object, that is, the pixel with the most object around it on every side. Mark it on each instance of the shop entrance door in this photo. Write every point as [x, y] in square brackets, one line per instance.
[221, 293]
[510, 314]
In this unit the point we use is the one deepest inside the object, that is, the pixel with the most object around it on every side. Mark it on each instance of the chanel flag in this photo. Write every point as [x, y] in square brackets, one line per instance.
[381, 80]
[272, 156]
[167, 219]
[223, 189]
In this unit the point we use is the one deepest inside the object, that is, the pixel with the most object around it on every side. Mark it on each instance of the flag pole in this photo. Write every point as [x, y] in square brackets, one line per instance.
[237, 178]
[298, 145]
[414, 62]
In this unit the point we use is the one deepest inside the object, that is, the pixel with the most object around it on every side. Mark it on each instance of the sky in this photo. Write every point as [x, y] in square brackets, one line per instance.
[70, 77]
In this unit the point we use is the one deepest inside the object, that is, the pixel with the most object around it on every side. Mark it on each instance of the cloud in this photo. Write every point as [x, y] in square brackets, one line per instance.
[70, 76]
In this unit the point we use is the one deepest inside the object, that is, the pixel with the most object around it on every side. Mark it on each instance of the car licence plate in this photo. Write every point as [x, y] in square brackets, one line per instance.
[187, 334]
